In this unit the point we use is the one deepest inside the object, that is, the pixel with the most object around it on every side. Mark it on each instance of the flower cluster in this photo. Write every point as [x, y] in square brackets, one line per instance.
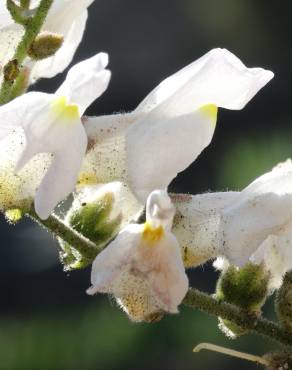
[116, 164]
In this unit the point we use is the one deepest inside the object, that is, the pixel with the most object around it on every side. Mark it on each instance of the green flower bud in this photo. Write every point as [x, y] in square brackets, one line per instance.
[45, 45]
[98, 213]
[93, 220]
[246, 287]
[283, 302]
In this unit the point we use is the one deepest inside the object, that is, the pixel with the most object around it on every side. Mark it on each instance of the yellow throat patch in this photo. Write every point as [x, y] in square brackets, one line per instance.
[62, 109]
[152, 234]
[210, 111]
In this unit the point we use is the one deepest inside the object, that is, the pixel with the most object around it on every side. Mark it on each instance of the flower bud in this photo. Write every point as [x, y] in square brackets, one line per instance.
[45, 45]
[283, 303]
[98, 213]
[246, 287]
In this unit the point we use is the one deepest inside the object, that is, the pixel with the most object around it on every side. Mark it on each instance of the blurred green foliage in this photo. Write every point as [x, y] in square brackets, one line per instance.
[101, 337]
[247, 158]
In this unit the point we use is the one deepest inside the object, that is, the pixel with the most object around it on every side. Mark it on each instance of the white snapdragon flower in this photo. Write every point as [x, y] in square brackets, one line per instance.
[252, 225]
[52, 124]
[143, 267]
[262, 209]
[176, 121]
[66, 17]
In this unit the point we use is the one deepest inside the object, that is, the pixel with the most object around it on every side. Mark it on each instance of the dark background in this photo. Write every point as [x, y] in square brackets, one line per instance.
[47, 321]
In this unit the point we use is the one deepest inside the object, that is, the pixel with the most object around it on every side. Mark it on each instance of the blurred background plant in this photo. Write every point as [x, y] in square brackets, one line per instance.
[46, 319]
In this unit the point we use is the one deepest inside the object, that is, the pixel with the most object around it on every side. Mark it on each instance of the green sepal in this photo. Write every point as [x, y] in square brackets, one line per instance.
[93, 220]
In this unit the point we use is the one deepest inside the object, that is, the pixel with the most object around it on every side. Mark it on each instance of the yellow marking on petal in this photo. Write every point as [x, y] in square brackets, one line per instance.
[87, 178]
[210, 111]
[152, 234]
[62, 109]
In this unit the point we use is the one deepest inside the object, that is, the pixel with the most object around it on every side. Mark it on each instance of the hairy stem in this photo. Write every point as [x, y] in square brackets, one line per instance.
[32, 29]
[59, 229]
[250, 322]
[194, 298]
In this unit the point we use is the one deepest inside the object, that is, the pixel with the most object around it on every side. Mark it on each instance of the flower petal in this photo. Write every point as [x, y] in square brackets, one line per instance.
[158, 149]
[50, 67]
[106, 156]
[167, 278]
[218, 78]
[261, 209]
[276, 255]
[5, 18]
[196, 225]
[113, 260]
[86, 81]
[61, 178]
[23, 111]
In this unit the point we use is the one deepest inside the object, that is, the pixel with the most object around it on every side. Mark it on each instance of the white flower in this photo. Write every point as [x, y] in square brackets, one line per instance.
[262, 209]
[181, 117]
[176, 121]
[254, 225]
[66, 17]
[143, 267]
[52, 124]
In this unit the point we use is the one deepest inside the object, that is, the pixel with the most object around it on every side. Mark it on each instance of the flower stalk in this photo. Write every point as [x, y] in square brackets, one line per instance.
[194, 298]
[32, 29]
[250, 322]
[59, 229]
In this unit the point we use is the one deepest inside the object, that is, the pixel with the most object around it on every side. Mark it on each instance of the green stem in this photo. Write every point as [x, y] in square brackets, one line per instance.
[252, 323]
[194, 298]
[59, 229]
[31, 31]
